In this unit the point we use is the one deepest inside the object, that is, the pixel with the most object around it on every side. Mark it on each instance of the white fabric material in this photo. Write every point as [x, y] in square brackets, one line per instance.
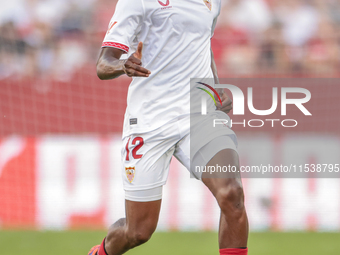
[176, 40]
[144, 195]
[173, 139]
[151, 170]
[203, 156]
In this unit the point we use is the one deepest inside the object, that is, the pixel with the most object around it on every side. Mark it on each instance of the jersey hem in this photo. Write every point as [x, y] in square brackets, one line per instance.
[116, 45]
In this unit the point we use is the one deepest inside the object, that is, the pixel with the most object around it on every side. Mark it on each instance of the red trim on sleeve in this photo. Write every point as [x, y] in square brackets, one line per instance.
[116, 45]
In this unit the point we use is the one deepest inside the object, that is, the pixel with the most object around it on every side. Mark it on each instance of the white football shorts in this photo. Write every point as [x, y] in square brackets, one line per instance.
[146, 157]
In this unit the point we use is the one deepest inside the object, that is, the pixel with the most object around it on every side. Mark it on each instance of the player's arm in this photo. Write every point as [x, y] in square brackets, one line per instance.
[214, 70]
[227, 104]
[110, 66]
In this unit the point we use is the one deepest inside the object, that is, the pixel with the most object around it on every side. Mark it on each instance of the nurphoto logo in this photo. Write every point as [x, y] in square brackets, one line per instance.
[239, 104]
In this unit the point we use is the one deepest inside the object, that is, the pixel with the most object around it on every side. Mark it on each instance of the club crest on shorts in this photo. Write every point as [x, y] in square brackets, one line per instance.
[208, 3]
[130, 173]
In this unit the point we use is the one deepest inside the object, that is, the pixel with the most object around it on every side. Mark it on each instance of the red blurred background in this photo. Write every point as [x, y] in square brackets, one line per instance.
[60, 125]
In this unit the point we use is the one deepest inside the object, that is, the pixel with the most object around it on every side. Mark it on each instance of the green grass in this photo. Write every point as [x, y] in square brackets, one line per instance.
[203, 243]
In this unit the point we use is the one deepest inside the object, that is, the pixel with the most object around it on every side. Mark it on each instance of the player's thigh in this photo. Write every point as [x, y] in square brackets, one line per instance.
[218, 166]
[223, 180]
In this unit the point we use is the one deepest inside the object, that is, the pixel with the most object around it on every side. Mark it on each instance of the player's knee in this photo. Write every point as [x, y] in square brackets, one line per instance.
[139, 237]
[231, 197]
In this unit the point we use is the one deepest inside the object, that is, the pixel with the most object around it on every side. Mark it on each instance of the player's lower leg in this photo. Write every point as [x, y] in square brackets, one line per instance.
[228, 191]
[138, 226]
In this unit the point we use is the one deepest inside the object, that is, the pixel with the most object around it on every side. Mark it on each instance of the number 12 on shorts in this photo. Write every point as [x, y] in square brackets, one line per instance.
[137, 142]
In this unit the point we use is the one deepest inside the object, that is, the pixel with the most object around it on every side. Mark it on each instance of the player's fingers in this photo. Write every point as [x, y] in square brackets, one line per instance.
[138, 53]
[135, 60]
[140, 74]
[133, 72]
[227, 109]
[140, 48]
[130, 65]
[225, 103]
[142, 69]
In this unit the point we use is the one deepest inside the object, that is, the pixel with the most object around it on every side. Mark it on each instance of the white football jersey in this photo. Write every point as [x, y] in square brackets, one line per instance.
[176, 47]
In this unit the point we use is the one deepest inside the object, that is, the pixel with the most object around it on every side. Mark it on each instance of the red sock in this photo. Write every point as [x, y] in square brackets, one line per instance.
[234, 251]
[102, 250]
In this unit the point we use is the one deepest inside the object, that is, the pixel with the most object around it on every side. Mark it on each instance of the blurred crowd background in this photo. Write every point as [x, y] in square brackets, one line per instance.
[58, 38]
[60, 126]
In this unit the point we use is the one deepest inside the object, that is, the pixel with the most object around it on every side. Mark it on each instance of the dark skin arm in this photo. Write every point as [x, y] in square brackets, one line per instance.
[227, 104]
[110, 66]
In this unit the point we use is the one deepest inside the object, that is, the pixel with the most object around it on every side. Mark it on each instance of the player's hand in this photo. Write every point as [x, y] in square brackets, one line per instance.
[227, 103]
[133, 65]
